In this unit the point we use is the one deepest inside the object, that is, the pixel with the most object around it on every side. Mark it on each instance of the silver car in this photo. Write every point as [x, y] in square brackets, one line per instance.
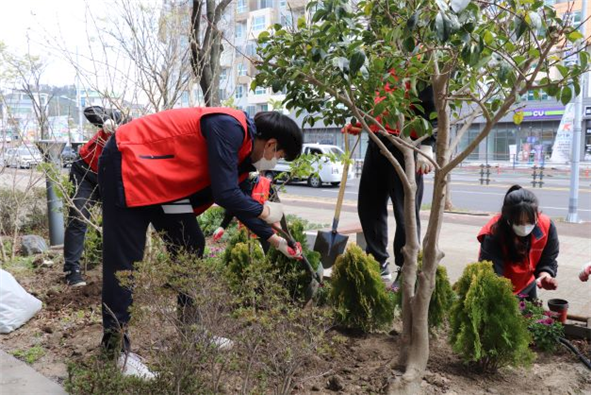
[22, 157]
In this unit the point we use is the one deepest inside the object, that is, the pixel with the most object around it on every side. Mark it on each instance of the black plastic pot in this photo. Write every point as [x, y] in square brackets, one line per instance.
[559, 306]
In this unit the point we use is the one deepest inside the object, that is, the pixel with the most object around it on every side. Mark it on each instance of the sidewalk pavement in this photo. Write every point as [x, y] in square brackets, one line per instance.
[458, 242]
[16, 377]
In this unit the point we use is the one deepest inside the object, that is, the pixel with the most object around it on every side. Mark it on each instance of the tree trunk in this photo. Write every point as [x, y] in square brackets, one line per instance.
[448, 203]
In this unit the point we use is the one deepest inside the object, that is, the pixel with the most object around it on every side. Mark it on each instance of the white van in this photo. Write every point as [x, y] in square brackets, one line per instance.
[328, 172]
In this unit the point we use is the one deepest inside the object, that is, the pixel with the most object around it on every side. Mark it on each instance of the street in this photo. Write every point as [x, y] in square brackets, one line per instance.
[467, 193]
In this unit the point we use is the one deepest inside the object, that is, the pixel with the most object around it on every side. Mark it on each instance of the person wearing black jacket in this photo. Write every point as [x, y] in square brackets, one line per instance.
[379, 183]
[522, 243]
[83, 177]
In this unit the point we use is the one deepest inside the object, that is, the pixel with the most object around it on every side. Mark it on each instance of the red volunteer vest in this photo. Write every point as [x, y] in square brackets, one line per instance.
[164, 155]
[521, 274]
[91, 151]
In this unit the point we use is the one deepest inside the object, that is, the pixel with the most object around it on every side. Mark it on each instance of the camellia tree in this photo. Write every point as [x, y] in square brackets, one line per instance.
[480, 57]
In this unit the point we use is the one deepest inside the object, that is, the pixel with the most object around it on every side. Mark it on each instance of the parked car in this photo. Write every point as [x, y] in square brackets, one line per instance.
[327, 171]
[24, 156]
[68, 156]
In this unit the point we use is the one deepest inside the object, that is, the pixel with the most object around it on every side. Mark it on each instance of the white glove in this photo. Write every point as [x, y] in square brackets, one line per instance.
[275, 212]
[294, 253]
[218, 233]
[109, 126]
[423, 165]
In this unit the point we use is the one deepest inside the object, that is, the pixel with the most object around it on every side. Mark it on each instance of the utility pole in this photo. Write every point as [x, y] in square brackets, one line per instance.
[573, 201]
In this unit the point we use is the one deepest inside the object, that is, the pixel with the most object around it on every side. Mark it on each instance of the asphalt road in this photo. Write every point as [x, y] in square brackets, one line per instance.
[468, 194]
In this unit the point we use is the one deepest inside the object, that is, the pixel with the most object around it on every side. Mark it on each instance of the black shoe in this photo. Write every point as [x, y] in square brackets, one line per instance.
[74, 278]
[385, 272]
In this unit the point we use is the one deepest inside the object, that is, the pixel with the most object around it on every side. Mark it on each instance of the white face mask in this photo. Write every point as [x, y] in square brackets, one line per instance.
[523, 230]
[266, 164]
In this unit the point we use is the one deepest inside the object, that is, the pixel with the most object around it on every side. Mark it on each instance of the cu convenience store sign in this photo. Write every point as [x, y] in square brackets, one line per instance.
[543, 113]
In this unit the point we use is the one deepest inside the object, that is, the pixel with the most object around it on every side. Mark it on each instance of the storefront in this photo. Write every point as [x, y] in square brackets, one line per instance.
[529, 142]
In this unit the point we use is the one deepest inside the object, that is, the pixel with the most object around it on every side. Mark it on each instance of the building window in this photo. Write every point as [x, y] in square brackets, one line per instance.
[242, 6]
[223, 75]
[259, 23]
[222, 94]
[282, 3]
[240, 31]
[265, 4]
[241, 69]
[240, 91]
[260, 90]
[251, 110]
[251, 49]
[264, 107]
[287, 19]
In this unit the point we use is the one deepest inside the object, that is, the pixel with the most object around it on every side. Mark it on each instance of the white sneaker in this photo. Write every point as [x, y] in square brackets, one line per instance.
[131, 365]
[222, 343]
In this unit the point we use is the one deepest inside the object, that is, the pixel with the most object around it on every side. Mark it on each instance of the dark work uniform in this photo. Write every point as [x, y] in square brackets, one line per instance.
[124, 228]
[379, 183]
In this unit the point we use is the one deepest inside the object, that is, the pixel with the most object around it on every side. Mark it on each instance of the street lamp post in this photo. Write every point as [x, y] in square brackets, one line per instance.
[573, 200]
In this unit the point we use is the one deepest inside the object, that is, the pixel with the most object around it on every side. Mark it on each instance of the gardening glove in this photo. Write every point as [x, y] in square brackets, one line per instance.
[109, 126]
[423, 165]
[275, 212]
[294, 253]
[547, 282]
[586, 272]
[218, 233]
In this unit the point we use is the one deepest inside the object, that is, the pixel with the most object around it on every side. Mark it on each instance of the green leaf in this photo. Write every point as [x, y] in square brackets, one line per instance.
[301, 22]
[584, 59]
[409, 44]
[577, 87]
[575, 35]
[518, 117]
[442, 27]
[459, 5]
[519, 26]
[566, 95]
[563, 70]
[264, 35]
[356, 62]
[488, 37]
[412, 21]
[552, 90]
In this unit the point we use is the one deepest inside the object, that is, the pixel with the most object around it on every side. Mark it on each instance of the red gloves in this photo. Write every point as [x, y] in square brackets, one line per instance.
[218, 233]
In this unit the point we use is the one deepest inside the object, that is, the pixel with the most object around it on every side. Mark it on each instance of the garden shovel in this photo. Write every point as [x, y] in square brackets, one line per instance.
[316, 279]
[330, 244]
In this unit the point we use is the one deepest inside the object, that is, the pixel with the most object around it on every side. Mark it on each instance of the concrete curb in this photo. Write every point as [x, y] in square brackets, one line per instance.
[16, 377]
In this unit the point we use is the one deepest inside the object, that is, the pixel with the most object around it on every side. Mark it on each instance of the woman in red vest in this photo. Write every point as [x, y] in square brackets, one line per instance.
[522, 244]
[83, 176]
[165, 169]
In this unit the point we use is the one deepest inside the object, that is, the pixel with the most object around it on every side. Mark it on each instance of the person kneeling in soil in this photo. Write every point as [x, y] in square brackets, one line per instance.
[166, 168]
[522, 244]
[261, 190]
[83, 176]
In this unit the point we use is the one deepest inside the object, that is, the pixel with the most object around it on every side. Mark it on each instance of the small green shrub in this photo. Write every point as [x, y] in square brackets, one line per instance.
[441, 299]
[486, 327]
[239, 237]
[292, 273]
[211, 219]
[545, 331]
[360, 297]
[243, 255]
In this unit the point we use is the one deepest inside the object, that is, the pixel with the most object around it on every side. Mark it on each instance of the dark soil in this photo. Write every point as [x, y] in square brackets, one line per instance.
[68, 328]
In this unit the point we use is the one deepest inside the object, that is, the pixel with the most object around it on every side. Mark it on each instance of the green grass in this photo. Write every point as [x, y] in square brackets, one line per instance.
[30, 355]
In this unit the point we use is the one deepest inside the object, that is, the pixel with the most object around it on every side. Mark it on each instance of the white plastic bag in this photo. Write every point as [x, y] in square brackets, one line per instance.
[17, 306]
